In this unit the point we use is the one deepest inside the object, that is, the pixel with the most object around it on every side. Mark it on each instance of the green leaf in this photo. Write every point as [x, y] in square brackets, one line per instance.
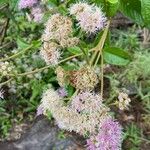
[116, 56]
[145, 9]
[74, 50]
[22, 44]
[132, 9]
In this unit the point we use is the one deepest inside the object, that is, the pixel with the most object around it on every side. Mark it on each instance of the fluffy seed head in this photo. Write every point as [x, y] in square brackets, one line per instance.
[58, 27]
[61, 76]
[85, 78]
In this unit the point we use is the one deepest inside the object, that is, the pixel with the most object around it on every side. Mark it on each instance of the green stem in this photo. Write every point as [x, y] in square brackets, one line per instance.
[3, 83]
[102, 76]
[101, 43]
[17, 54]
[86, 56]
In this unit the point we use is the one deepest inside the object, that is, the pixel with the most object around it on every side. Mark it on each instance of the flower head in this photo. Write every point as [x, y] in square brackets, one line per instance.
[27, 3]
[37, 13]
[78, 8]
[85, 78]
[50, 101]
[108, 138]
[59, 28]
[124, 101]
[90, 17]
[67, 117]
[50, 53]
[5, 68]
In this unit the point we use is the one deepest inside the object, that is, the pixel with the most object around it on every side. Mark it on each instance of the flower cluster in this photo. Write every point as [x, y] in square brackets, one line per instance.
[69, 117]
[58, 30]
[85, 78]
[108, 138]
[124, 101]
[90, 17]
[61, 76]
[50, 101]
[50, 53]
[5, 68]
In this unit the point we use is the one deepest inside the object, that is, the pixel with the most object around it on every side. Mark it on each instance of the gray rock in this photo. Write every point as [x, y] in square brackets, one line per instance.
[43, 135]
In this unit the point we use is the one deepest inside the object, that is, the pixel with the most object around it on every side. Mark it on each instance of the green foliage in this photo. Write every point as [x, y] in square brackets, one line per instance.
[133, 135]
[137, 10]
[145, 9]
[116, 56]
[126, 39]
[132, 9]
[5, 122]
[139, 68]
[74, 50]
[61, 134]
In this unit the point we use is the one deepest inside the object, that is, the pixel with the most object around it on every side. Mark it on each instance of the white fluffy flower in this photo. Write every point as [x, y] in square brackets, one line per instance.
[50, 101]
[90, 17]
